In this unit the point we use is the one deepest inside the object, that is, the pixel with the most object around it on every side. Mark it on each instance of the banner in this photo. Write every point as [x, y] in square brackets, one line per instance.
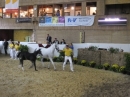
[79, 20]
[67, 21]
[51, 21]
[11, 5]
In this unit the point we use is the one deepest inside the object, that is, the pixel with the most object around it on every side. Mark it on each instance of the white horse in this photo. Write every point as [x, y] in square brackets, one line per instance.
[49, 53]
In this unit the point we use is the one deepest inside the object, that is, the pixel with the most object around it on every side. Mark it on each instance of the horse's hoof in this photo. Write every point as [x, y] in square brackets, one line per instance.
[48, 68]
[36, 70]
[55, 69]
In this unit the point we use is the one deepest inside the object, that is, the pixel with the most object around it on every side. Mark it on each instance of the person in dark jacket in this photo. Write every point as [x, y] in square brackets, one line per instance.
[5, 44]
[49, 38]
[63, 42]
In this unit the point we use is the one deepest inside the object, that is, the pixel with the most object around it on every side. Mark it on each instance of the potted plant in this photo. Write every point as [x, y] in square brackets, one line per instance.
[122, 69]
[115, 67]
[83, 62]
[106, 66]
[75, 60]
[92, 64]
[23, 48]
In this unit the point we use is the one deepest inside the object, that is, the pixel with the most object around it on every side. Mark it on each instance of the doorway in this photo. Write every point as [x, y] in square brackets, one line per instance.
[6, 34]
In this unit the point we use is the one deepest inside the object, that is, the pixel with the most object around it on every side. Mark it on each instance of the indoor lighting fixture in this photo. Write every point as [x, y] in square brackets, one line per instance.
[112, 21]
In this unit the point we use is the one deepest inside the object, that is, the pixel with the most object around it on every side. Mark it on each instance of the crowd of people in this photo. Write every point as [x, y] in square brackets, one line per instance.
[13, 48]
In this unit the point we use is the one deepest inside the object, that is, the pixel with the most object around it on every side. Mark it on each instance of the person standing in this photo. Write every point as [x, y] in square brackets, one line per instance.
[68, 52]
[5, 44]
[63, 42]
[49, 38]
[12, 51]
[56, 41]
[16, 48]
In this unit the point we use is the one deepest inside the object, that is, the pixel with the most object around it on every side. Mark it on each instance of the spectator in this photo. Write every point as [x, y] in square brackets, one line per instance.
[5, 44]
[63, 42]
[49, 39]
[43, 13]
[71, 46]
[78, 14]
[68, 53]
[56, 41]
[58, 13]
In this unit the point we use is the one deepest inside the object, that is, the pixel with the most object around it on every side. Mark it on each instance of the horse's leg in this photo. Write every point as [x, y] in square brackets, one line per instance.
[52, 63]
[19, 64]
[21, 61]
[34, 63]
[42, 62]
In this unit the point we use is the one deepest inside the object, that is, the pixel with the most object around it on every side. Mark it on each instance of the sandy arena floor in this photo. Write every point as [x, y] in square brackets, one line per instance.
[84, 82]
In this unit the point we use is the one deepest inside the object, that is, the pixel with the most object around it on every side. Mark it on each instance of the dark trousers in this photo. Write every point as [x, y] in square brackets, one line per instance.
[5, 50]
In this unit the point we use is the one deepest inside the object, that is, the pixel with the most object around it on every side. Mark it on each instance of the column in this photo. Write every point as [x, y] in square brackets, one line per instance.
[35, 10]
[83, 9]
[100, 7]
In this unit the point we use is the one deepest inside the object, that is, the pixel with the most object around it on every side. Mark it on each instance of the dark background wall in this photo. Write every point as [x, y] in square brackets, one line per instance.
[6, 34]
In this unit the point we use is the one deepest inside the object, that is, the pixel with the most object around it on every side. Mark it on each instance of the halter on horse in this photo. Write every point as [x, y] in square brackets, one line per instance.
[49, 53]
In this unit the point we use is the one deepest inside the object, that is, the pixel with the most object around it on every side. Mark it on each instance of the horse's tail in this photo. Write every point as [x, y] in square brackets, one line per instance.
[18, 54]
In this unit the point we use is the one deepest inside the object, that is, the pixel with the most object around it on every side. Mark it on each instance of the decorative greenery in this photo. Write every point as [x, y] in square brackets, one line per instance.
[127, 59]
[99, 66]
[113, 50]
[122, 69]
[62, 53]
[83, 62]
[54, 59]
[75, 60]
[115, 67]
[23, 48]
[106, 66]
[93, 48]
[92, 64]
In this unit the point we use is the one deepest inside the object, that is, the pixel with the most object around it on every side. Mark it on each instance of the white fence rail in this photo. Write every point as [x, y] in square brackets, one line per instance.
[32, 46]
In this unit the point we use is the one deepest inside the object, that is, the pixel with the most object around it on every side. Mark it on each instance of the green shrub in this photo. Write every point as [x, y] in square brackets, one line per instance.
[92, 64]
[54, 59]
[92, 48]
[100, 66]
[23, 48]
[83, 62]
[122, 69]
[115, 67]
[127, 59]
[62, 53]
[106, 66]
[75, 60]
[113, 50]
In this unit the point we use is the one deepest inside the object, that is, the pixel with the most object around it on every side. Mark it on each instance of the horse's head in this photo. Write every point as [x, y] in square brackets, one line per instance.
[56, 46]
[38, 52]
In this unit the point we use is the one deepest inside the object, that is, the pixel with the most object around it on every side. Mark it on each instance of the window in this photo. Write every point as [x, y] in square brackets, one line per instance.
[26, 11]
[91, 8]
[78, 9]
[117, 9]
[1, 12]
[45, 10]
[69, 9]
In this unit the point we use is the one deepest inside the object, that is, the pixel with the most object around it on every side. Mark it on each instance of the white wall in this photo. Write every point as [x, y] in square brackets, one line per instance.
[32, 46]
